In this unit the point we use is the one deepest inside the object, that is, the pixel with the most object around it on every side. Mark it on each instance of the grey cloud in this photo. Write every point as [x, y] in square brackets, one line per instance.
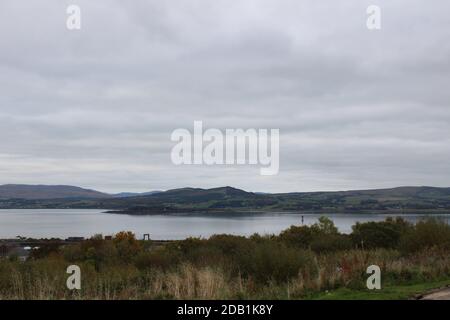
[96, 107]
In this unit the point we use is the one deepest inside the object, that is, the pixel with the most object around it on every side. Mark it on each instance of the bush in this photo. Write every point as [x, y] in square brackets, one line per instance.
[297, 236]
[384, 234]
[331, 243]
[218, 250]
[426, 234]
[159, 259]
[126, 244]
[303, 236]
[272, 261]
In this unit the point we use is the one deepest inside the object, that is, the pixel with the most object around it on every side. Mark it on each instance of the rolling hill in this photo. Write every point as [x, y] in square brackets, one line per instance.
[33, 192]
[226, 199]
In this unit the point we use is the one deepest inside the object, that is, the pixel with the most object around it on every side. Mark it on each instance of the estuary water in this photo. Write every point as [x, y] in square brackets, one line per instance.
[63, 223]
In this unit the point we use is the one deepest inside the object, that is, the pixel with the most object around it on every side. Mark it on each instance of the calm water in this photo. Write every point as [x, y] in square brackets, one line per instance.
[71, 223]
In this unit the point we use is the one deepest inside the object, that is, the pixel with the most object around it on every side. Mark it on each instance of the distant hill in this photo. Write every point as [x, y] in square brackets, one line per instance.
[232, 199]
[134, 194]
[33, 192]
[201, 195]
[401, 199]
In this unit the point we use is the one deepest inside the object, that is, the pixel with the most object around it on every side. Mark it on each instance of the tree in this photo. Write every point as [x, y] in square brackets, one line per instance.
[126, 244]
[325, 226]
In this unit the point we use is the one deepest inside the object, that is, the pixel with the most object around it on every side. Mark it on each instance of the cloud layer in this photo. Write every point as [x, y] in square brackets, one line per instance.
[96, 107]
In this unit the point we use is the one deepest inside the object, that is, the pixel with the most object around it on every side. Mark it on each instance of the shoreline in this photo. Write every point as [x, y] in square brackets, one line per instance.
[259, 211]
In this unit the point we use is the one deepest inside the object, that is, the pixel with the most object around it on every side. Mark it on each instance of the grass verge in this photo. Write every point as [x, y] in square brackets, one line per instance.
[390, 292]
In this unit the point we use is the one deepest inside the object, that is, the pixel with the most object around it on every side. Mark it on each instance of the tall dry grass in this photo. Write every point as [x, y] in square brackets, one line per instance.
[45, 279]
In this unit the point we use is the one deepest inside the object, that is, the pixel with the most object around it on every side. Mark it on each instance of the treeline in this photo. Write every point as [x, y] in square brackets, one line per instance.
[299, 262]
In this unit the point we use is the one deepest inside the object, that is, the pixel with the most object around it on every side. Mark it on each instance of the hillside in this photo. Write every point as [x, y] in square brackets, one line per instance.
[231, 199]
[133, 194]
[34, 192]
[401, 198]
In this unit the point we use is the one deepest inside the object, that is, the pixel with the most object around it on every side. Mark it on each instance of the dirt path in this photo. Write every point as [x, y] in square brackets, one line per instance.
[442, 294]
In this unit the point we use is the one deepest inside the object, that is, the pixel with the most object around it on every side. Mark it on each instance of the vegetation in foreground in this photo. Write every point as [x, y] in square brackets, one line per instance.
[303, 262]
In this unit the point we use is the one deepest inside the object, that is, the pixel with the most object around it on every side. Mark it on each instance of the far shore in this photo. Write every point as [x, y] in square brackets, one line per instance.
[186, 212]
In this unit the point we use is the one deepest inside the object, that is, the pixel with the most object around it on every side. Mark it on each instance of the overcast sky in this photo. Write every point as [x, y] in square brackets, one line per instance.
[356, 108]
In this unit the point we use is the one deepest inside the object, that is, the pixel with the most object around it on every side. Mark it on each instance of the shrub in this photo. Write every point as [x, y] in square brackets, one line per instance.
[426, 234]
[126, 244]
[305, 236]
[275, 261]
[331, 242]
[297, 236]
[44, 251]
[159, 258]
[384, 234]
[219, 250]
[325, 226]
